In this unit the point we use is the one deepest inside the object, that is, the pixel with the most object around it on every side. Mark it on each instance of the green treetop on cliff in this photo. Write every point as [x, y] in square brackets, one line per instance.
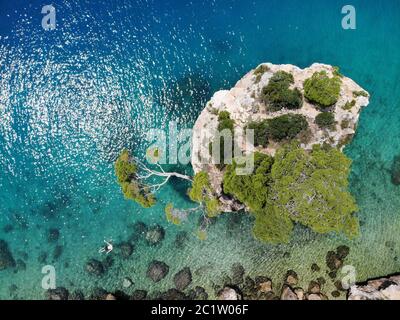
[309, 188]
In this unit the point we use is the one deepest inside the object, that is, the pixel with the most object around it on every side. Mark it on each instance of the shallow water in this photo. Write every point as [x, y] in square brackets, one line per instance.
[72, 98]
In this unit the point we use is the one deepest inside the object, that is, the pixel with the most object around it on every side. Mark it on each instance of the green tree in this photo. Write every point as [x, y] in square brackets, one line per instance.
[252, 190]
[126, 172]
[312, 189]
[138, 182]
[202, 193]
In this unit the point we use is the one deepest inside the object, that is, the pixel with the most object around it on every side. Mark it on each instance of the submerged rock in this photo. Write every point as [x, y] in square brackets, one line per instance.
[139, 230]
[58, 250]
[57, 294]
[238, 274]
[157, 270]
[291, 278]
[395, 171]
[98, 294]
[198, 293]
[95, 267]
[155, 235]
[335, 294]
[180, 239]
[229, 293]
[6, 257]
[127, 282]
[76, 295]
[125, 249]
[315, 268]
[263, 285]
[342, 252]
[53, 235]
[333, 261]
[139, 295]
[288, 293]
[314, 287]
[183, 279]
[173, 294]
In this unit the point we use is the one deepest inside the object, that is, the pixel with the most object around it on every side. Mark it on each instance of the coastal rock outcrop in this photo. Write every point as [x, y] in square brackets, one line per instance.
[378, 289]
[245, 104]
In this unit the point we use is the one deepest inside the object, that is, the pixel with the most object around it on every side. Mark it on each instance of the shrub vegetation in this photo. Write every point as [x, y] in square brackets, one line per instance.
[325, 119]
[287, 126]
[322, 90]
[277, 95]
[280, 128]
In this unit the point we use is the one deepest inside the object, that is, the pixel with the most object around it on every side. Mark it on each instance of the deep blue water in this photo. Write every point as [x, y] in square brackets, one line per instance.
[72, 98]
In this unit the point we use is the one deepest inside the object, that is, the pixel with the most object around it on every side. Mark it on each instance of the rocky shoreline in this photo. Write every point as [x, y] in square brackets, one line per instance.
[236, 284]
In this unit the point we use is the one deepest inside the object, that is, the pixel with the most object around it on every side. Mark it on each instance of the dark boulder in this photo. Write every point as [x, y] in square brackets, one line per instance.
[333, 261]
[58, 250]
[198, 293]
[125, 249]
[57, 294]
[183, 279]
[314, 287]
[291, 278]
[98, 294]
[173, 294]
[53, 235]
[157, 270]
[76, 295]
[139, 230]
[315, 268]
[395, 171]
[6, 257]
[95, 267]
[342, 252]
[238, 274]
[335, 294]
[139, 295]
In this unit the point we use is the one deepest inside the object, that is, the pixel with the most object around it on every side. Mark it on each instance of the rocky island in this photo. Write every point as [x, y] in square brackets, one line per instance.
[301, 117]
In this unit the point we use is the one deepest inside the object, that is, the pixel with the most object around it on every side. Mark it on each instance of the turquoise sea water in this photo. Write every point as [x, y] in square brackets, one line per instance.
[72, 98]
